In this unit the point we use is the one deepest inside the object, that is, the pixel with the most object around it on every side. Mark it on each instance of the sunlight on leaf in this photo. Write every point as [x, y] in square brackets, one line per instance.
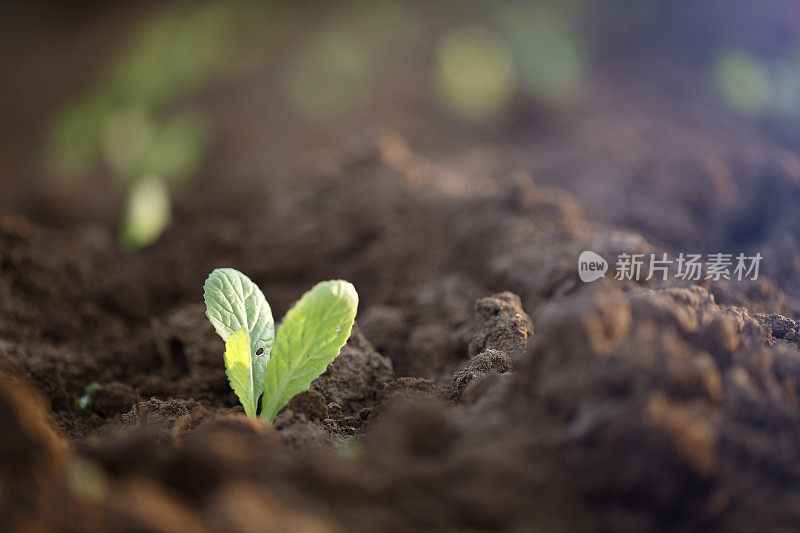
[309, 338]
[239, 369]
[234, 302]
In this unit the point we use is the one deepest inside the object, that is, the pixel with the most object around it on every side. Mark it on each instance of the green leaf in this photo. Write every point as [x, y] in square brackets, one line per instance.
[309, 338]
[239, 368]
[147, 213]
[233, 302]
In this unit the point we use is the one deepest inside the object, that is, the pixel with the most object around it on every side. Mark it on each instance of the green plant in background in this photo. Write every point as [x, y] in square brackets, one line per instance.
[135, 123]
[334, 68]
[260, 362]
[743, 81]
[127, 121]
[549, 53]
[84, 403]
[475, 73]
[146, 212]
[335, 61]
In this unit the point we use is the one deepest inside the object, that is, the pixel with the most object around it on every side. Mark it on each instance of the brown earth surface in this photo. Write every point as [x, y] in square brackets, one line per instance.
[485, 387]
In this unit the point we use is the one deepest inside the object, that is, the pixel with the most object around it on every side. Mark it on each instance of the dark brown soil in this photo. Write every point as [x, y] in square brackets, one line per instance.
[456, 404]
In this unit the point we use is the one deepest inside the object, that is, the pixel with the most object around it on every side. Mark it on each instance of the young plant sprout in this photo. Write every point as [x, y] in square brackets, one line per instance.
[84, 403]
[275, 367]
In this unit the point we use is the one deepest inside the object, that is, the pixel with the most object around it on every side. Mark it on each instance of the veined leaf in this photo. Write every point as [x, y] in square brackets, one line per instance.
[309, 338]
[239, 368]
[233, 302]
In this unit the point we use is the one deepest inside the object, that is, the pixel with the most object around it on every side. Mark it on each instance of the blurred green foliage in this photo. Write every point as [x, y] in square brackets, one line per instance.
[136, 123]
[73, 141]
[135, 144]
[332, 70]
[84, 403]
[743, 81]
[147, 212]
[551, 57]
[757, 86]
[474, 72]
[328, 76]
[176, 51]
[126, 121]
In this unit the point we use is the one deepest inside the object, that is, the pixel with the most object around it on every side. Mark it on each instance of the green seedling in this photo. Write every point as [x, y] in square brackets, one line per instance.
[274, 367]
[84, 403]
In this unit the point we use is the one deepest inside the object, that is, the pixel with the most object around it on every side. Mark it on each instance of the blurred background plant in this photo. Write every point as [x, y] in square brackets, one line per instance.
[134, 120]
[476, 63]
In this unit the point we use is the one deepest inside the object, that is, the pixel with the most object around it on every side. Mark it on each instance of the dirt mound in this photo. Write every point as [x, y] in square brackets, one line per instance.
[633, 406]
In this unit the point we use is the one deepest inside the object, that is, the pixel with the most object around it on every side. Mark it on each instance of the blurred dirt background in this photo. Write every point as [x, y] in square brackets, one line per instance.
[452, 160]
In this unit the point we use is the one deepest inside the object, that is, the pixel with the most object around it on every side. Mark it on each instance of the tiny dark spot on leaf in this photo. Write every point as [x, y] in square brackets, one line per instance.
[260, 351]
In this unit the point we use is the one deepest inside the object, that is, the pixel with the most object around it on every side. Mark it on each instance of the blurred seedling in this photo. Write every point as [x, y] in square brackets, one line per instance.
[84, 403]
[128, 124]
[274, 366]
